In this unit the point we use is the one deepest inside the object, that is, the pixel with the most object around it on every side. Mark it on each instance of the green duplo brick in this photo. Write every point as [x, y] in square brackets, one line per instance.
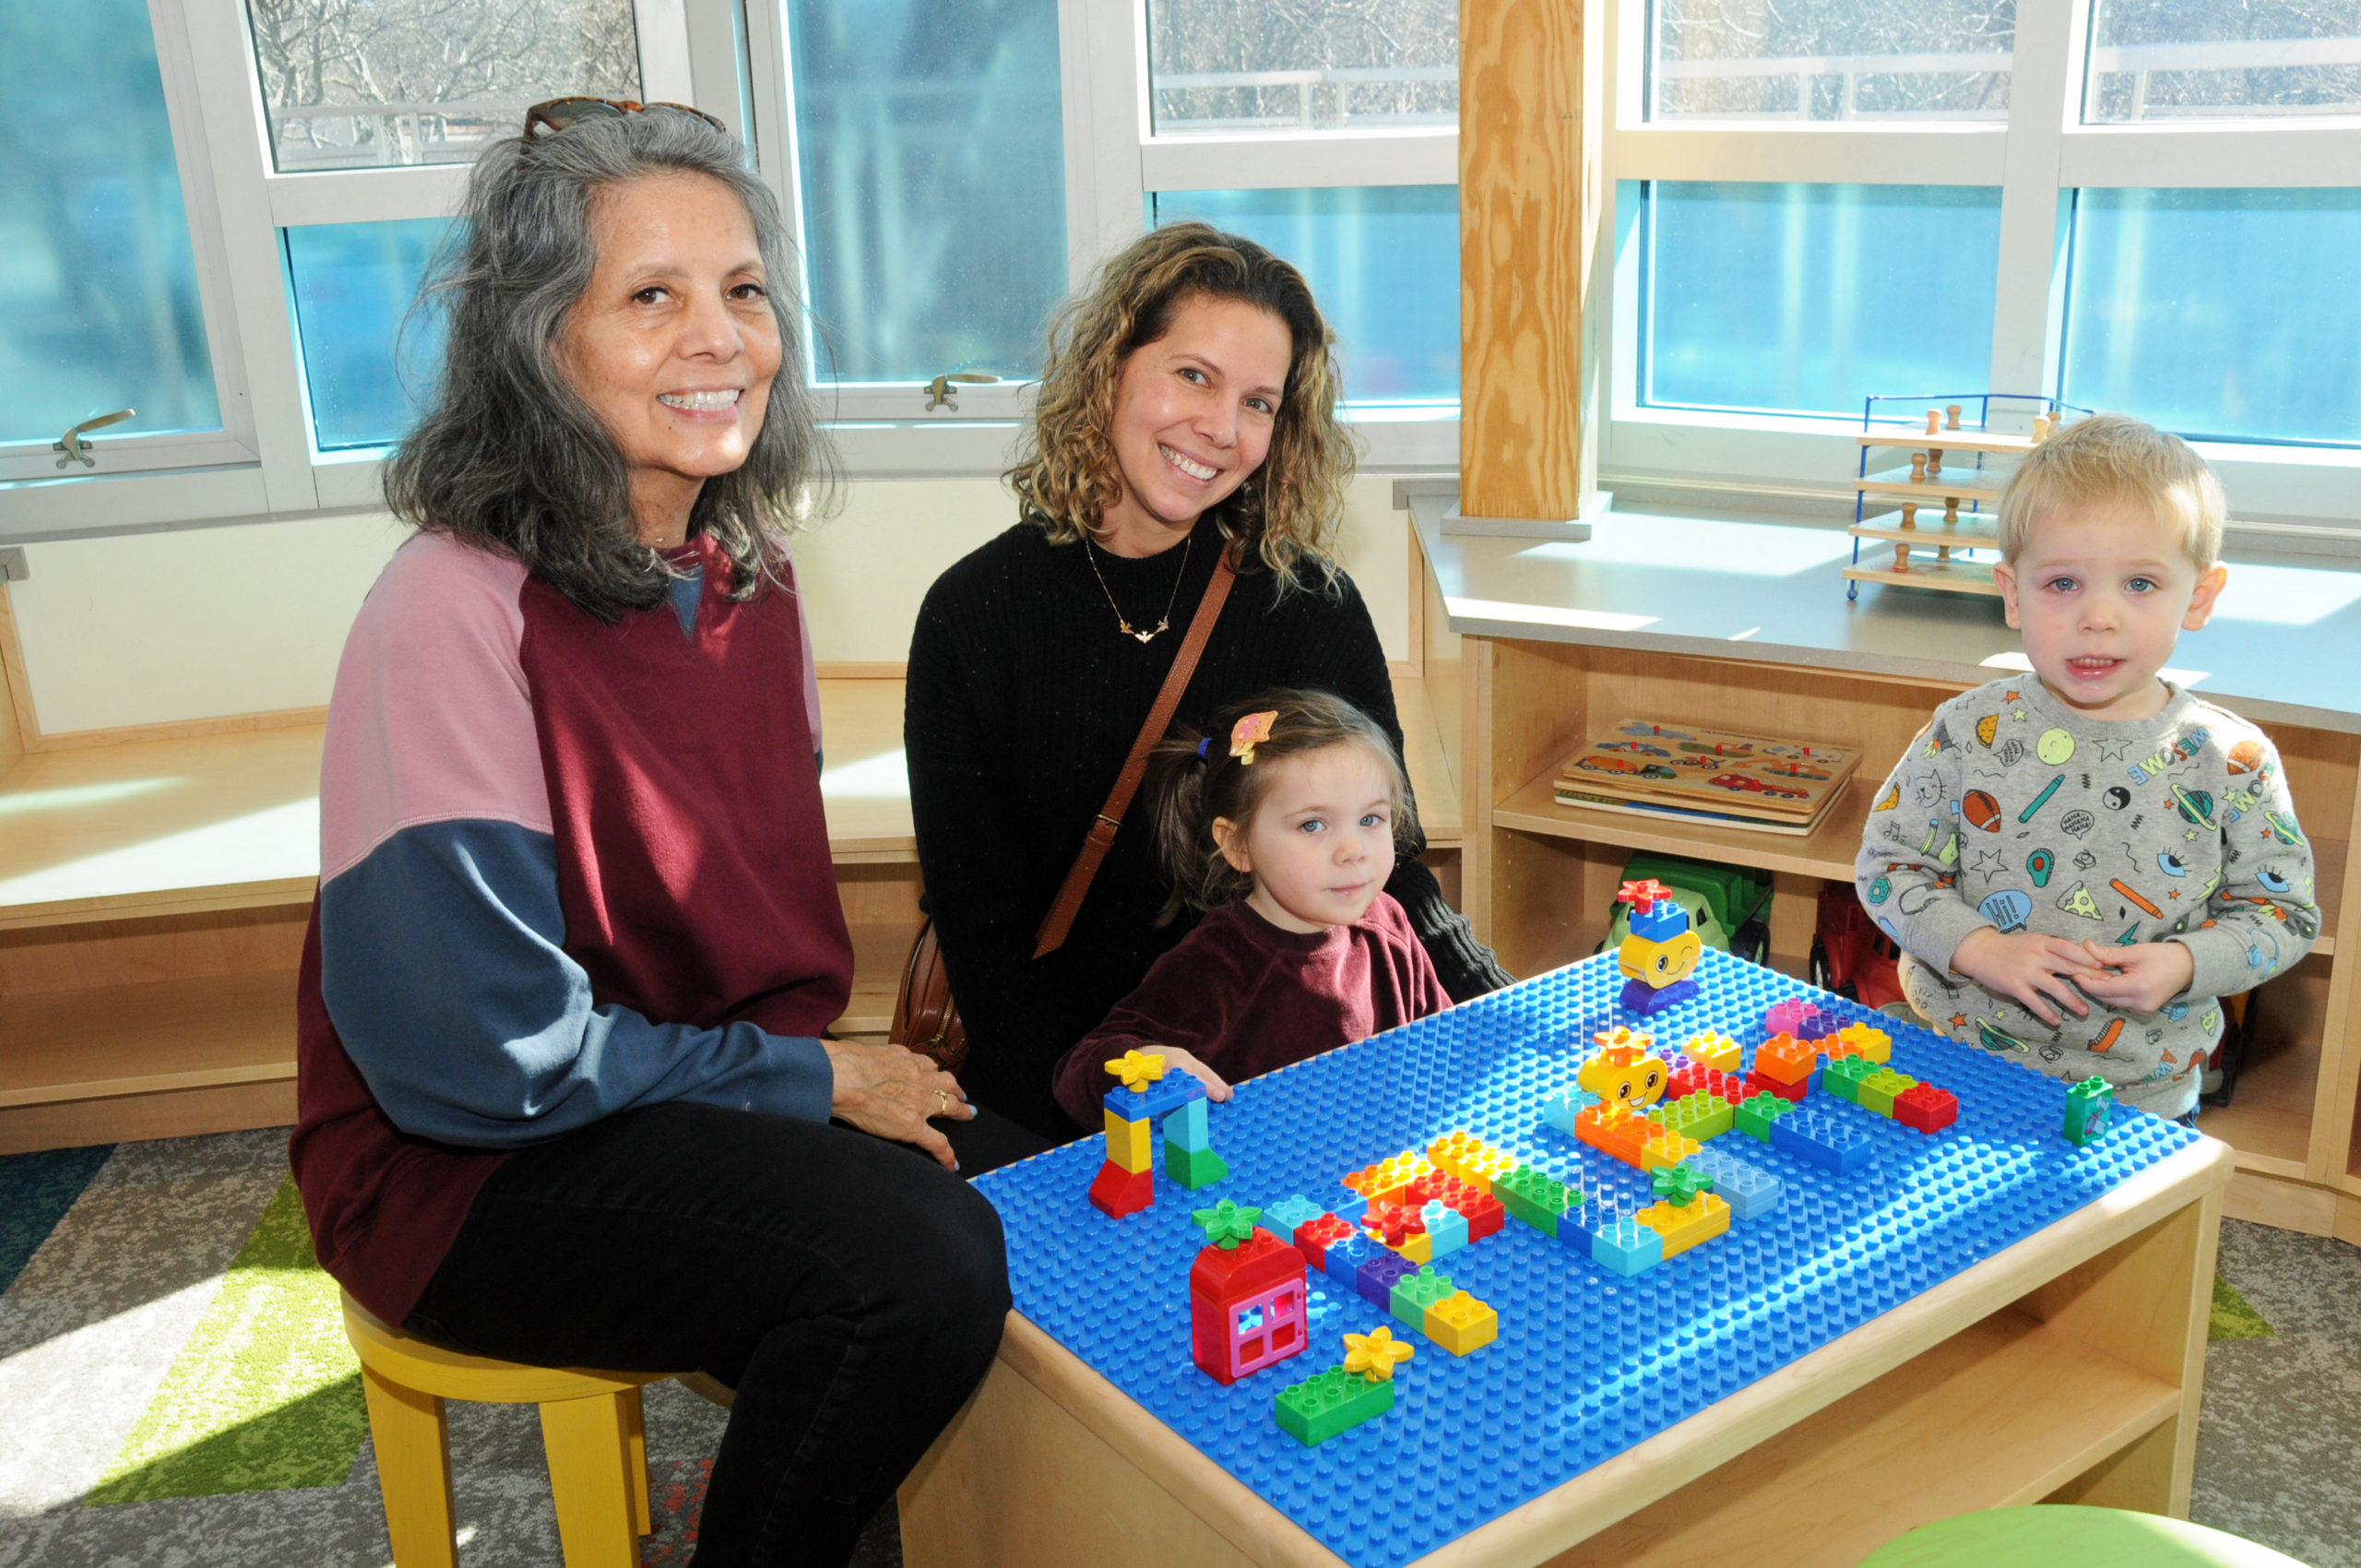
[1754, 1118]
[1844, 1076]
[1531, 1197]
[1414, 1293]
[1878, 1091]
[1315, 1410]
[1703, 1117]
[1193, 1167]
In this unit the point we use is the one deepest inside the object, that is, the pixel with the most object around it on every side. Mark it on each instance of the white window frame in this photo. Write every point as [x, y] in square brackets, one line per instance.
[1131, 161]
[1114, 160]
[206, 460]
[2037, 158]
[728, 58]
[264, 464]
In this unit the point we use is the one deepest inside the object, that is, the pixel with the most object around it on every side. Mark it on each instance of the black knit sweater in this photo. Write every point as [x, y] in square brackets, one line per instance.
[1024, 698]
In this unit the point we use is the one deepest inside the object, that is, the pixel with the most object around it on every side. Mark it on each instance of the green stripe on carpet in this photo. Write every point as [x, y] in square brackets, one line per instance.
[35, 1192]
[266, 1396]
[2233, 1319]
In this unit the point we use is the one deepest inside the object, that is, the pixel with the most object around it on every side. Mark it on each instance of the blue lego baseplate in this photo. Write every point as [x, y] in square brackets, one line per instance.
[1587, 1363]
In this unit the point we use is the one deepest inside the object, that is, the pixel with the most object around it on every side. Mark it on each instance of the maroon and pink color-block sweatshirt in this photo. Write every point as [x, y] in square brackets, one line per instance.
[567, 868]
[1244, 997]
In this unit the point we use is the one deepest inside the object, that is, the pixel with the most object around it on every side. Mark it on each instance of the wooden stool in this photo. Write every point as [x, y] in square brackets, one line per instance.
[590, 1428]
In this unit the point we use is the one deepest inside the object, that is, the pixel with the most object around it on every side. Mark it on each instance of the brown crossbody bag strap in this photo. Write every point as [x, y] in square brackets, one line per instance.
[1101, 836]
[926, 1016]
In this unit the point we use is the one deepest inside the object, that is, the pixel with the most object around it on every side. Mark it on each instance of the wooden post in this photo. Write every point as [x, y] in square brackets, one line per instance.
[1529, 199]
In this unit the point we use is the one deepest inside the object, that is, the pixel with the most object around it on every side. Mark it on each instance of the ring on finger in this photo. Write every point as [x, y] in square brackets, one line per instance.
[944, 1100]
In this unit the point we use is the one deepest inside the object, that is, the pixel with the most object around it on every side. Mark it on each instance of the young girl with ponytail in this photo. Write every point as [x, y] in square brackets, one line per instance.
[1281, 827]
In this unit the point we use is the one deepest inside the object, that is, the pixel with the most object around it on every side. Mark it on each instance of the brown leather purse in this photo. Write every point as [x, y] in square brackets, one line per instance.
[926, 1016]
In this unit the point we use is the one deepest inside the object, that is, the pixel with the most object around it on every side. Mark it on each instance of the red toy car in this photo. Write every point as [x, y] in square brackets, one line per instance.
[1851, 957]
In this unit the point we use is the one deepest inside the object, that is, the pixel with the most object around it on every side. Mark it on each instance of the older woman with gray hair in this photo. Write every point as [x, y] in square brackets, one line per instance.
[565, 1091]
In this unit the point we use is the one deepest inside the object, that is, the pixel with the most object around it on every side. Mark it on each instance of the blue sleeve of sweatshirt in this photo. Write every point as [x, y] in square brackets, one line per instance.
[444, 969]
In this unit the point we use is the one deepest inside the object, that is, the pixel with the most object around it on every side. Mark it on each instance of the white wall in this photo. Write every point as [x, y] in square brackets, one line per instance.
[152, 628]
[156, 628]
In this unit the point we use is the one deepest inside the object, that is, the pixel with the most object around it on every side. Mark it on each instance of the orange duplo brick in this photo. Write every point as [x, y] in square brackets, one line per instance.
[1388, 1181]
[1784, 1059]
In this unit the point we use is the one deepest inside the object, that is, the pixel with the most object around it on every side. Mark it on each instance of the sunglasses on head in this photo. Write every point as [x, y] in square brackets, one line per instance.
[560, 112]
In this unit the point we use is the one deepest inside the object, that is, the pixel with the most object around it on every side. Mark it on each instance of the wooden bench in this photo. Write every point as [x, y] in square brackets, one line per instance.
[153, 895]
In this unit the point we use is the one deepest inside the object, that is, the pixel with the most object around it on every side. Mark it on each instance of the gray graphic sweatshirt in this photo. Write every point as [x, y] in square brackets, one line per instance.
[2011, 810]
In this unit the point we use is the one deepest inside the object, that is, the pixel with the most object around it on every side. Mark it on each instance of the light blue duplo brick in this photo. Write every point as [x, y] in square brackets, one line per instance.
[1186, 1127]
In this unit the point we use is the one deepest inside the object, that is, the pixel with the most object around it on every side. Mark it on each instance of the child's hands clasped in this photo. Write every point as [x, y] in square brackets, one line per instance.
[2139, 979]
[2030, 970]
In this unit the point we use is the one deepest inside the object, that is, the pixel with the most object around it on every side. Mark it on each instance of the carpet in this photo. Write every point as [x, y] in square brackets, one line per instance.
[266, 1394]
[2282, 1417]
[159, 1354]
[2232, 1318]
[35, 1192]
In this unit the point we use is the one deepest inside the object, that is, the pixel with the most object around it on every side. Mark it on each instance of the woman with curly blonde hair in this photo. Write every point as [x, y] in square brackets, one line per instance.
[1187, 415]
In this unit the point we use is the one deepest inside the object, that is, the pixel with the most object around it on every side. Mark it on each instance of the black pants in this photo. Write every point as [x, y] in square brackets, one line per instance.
[850, 1290]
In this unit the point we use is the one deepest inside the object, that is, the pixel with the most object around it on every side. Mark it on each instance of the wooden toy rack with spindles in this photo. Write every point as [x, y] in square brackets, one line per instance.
[1947, 499]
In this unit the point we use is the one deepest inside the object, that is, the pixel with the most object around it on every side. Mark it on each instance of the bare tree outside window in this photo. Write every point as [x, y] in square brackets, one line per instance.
[2207, 59]
[353, 83]
[1830, 59]
[1316, 64]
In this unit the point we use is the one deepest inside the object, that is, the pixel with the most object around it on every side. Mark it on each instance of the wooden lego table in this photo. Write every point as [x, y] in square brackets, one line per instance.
[2065, 1367]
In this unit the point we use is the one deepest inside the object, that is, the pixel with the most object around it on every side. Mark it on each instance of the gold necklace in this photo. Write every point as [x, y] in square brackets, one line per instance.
[1163, 625]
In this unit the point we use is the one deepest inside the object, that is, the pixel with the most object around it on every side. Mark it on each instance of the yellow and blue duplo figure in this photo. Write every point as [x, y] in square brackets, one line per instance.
[1656, 958]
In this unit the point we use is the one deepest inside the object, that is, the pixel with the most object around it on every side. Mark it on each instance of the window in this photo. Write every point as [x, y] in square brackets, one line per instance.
[932, 165]
[2142, 205]
[957, 171]
[226, 232]
[1330, 64]
[2178, 307]
[368, 361]
[1789, 297]
[1327, 131]
[1382, 261]
[2152, 60]
[365, 85]
[1872, 59]
[99, 302]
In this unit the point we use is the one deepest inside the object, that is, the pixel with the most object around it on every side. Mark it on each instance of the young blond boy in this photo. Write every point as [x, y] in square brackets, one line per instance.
[2083, 859]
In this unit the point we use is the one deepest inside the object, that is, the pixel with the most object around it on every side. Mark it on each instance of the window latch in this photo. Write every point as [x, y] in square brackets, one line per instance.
[943, 391]
[77, 450]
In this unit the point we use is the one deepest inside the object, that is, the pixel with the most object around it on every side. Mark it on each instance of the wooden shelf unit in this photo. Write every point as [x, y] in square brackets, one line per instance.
[1539, 876]
[154, 895]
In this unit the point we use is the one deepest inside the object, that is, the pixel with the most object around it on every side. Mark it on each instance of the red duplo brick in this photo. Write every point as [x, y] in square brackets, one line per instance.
[1483, 1213]
[1314, 1237]
[1721, 1086]
[1926, 1108]
[1117, 1192]
[1790, 1092]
